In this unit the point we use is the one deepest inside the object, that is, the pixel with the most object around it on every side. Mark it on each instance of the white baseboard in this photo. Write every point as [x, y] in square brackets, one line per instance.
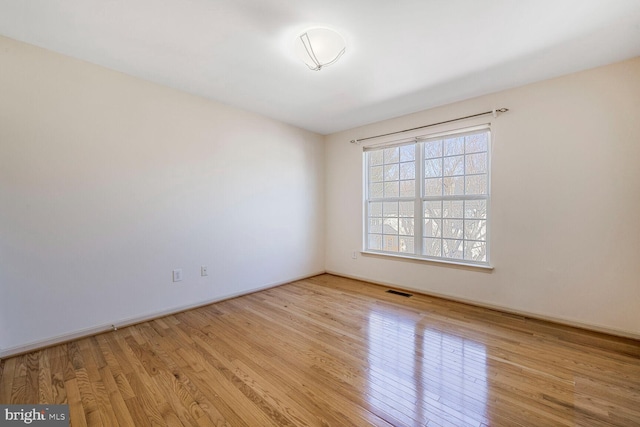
[121, 323]
[562, 321]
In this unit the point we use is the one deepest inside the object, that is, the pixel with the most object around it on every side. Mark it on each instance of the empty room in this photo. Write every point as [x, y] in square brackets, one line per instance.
[336, 213]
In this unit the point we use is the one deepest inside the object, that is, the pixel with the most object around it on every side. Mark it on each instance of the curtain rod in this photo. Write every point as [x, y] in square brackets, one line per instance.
[494, 112]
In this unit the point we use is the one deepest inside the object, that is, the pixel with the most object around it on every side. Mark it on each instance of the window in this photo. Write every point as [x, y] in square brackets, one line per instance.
[430, 199]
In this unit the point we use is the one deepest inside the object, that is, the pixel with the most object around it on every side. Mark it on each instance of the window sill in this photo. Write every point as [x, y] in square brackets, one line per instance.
[428, 260]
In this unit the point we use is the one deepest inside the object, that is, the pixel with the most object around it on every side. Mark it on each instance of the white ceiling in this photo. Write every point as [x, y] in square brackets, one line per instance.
[402, 56]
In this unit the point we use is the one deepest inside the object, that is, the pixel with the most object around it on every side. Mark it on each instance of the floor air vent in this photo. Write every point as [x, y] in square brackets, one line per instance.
[402, 294]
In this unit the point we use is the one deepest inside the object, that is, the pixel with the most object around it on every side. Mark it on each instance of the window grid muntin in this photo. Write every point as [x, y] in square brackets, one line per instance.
[419, 218]
[461, 232]
[393, 236]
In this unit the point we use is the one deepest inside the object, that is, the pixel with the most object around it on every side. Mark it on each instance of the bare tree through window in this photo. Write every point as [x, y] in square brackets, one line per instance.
[435, 190]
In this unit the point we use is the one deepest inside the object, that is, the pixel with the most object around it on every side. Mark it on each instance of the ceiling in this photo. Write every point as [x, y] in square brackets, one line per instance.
[402, 56]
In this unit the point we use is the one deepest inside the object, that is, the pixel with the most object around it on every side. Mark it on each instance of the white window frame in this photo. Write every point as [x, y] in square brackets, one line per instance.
[420, 198]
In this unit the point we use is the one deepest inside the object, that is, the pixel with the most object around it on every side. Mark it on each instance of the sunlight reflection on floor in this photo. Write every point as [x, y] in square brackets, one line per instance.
[417, 370]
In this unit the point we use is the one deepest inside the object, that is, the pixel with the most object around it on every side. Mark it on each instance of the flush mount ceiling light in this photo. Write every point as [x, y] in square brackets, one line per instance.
[319, 47]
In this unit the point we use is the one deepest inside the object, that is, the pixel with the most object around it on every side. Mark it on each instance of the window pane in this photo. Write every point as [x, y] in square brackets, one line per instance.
[375, 157]
[375, 174]
[454, 186]
[432, 168]
[476, 184]
[406, 245]
[432, 149]
[375, 242]
[407, 188]
[453, 197]
[391, 189]
[475, 251]
[390, 209]
[391, 155]
[432, 247]
[407, 209]
[453, 166]
[475, 229]
[453, 146]
[407, 170]
[432, 228]
[391, 172]
[408, 153]
[477, 142]
[452, 228]
[390, 243]
[375, 225]
[433, 209]
[476, 163]
[390, 226]
[375, 208]
[405, 226]
[375, 191]
[475, 209]
[433, 187]
[452, 249]
[452, 209]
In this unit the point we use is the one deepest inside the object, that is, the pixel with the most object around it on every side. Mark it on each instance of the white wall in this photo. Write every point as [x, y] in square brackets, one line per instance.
[108, 183]
[565, 231]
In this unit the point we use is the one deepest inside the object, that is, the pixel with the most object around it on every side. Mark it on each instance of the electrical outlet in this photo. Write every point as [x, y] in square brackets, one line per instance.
[177, 275]
[354, 255]
[203, 271]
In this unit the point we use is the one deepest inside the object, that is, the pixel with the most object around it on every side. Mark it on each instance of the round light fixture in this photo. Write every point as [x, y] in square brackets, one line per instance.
[320, 47]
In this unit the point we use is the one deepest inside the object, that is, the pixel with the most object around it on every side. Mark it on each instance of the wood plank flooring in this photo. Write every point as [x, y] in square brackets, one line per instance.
[330, 351]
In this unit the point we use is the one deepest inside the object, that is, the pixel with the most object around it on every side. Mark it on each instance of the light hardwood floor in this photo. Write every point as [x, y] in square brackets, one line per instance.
[337, 352]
